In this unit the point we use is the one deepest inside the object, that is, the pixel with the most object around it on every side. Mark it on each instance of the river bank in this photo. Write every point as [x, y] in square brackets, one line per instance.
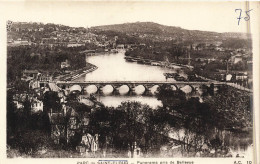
[72, 75]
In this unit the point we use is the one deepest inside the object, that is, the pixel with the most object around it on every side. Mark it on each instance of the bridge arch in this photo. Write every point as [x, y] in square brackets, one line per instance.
[140, 89]
[91, 89]
[187, 88]
[154, 89]
[123, 89]
[174, 87]
[107, 89]
[75, 88]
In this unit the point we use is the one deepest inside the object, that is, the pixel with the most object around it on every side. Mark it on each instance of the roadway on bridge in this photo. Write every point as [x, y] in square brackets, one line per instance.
[139, 82]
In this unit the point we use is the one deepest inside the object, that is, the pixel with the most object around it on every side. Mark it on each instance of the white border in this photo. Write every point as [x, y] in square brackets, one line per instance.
[255, 27]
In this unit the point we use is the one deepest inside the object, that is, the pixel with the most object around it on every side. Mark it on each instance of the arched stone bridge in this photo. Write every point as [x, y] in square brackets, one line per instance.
[148, 85]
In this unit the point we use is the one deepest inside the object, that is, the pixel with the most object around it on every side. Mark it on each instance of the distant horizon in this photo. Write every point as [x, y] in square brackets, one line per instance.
[203, 16]
[45, 23]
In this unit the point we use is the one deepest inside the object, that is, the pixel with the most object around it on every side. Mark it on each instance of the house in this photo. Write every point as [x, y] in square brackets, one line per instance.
[45, 77]
[18, 104]
[137, 151]
[64, 64]
[33, 84]
[241, 76]
[20, 42]
[36, 106]
[28, 75]
[236, 58]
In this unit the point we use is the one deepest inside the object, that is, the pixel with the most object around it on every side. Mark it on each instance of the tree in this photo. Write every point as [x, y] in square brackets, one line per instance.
[101, 122]
[240, 66]
[232, 109]
[30, 141]
[142, 126]
[133, 129]
[177, 51]
[27, 107]
[51, 101]
[187, 116]
[169, 97]
[10, 114]
[216, 143]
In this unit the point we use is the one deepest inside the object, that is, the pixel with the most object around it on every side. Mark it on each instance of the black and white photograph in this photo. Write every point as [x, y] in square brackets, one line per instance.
[122, 79]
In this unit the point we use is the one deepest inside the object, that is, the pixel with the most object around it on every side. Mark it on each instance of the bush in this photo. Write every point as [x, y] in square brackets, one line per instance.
[29, 142]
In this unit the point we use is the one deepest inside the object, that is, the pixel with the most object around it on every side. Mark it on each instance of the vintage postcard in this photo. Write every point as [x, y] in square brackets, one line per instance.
[145, 82]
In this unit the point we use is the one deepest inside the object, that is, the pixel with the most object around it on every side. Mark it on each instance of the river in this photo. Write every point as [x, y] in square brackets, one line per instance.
[113, 67]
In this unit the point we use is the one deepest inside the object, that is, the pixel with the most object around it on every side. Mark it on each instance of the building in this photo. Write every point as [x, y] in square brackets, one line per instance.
[19, 42]
[45, 77]
[75, 44]
[36, 106]
[28, 75]
[136, 153]
[18, 104]
[236, 58]
[241, 76]
[65, 64]
[34, 84]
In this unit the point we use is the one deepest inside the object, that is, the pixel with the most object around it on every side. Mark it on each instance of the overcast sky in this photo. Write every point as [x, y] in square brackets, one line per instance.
[208, 16]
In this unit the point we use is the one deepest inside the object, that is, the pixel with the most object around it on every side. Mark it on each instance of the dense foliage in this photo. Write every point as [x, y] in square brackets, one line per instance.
[131, 124]
[42, 59]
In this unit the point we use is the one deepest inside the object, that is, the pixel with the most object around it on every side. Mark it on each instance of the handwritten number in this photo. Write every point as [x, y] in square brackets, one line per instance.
[239, 15]
[248, 16]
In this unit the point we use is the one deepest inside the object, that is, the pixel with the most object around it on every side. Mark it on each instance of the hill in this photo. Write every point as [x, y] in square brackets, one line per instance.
[142, 27]
[150, 30]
